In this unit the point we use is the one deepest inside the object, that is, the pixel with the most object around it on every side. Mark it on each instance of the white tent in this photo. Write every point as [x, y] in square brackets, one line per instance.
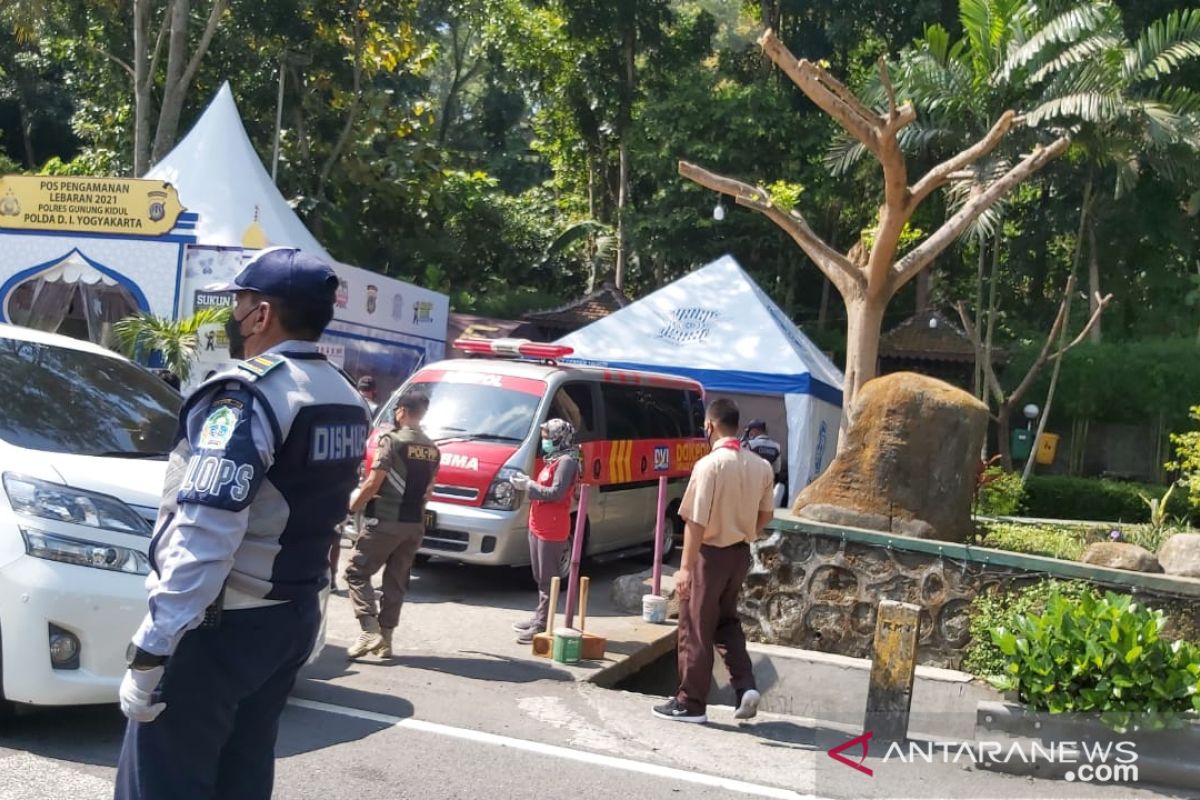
[717, 326]
[218, 173]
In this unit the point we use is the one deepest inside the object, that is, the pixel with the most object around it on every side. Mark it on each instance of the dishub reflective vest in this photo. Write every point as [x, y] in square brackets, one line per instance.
[318, 429]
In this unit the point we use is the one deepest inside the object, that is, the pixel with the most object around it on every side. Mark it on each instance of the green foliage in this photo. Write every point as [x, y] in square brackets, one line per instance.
[999, 608]
[1053, 541]
[1099, 654]
[1001, 493]
[1124, 382]
[175, 340]
[1187, 459]
[1158, 507]
[784, 195]
[1065, 497]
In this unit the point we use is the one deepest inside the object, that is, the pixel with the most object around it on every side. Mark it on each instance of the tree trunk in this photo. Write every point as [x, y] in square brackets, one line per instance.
[26, 129]
[864, 320]
[173, 89]
[823, 309]
[1093, 280]
[1004, 435]
[980, 368]
[993, 280]
[924, 289]
[1041, 427]
[626, 115]
[141, 88]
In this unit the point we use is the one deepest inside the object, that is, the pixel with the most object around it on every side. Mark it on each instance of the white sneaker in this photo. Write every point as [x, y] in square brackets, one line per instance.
[748, 705]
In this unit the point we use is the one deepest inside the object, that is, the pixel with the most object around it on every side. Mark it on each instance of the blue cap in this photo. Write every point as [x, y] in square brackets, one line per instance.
[286, 273]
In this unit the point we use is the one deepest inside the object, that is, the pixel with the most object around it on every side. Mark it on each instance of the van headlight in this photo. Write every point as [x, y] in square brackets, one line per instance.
[502, 495]
[84, 553]
[37, 498]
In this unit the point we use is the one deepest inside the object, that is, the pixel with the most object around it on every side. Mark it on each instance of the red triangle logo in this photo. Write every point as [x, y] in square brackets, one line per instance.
[860, 741]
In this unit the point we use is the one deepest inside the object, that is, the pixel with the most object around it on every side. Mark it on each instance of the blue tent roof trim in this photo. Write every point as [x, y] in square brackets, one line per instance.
[716, 326]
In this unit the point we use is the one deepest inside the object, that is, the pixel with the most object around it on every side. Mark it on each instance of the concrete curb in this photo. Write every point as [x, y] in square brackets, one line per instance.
[610, 676]
[1166, 758]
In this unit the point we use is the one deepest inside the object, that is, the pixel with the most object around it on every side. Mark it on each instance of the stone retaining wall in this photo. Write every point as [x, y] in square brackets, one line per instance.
[816, 587]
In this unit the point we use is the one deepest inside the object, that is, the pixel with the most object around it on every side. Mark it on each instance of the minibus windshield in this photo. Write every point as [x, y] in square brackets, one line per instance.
[474, 412]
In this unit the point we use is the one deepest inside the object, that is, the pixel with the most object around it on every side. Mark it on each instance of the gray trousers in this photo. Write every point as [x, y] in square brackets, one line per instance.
[392, 546]
[545, 558]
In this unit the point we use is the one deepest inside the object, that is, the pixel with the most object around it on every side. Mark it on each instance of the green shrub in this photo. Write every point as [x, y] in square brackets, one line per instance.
[1001, 495]
[1055, 541]
[1000, 609]
[1099, 654]
[1187, 459]
[1065, 497]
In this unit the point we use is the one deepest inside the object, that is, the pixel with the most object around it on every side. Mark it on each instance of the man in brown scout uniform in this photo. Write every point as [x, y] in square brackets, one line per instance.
[397, 489]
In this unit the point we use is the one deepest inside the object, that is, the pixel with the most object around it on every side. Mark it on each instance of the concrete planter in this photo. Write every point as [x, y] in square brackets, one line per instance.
[1165, 758]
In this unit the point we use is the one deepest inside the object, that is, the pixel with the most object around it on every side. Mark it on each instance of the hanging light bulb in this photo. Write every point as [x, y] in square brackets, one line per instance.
[719, 210]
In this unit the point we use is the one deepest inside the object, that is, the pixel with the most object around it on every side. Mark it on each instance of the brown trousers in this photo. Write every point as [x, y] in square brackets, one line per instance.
[708, 616]
[392, 546]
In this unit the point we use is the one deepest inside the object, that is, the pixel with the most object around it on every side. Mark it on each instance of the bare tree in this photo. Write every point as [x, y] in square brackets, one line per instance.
[867, 277]
[183, 61]
[1007, 405]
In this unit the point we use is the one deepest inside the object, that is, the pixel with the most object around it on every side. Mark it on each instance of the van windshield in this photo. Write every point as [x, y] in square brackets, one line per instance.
[472, 411]
[62, 400]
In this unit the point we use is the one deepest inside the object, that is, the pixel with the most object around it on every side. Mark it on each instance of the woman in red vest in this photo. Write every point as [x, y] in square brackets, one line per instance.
[549, 516]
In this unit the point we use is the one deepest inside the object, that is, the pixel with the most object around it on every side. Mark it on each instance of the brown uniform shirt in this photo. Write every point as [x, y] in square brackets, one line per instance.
[727, 489]
[411, 460]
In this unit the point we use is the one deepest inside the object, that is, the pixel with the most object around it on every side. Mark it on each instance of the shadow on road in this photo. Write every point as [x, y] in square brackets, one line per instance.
[488, 668]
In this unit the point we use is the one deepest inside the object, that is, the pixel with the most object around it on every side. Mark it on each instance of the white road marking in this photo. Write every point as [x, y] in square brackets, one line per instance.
[555, 751]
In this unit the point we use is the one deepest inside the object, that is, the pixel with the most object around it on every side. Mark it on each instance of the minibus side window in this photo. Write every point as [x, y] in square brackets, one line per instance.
[574, 402]
[648, 412]
[622, 412]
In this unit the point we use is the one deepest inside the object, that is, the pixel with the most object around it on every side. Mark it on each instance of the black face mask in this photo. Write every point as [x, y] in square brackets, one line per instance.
[237, 339]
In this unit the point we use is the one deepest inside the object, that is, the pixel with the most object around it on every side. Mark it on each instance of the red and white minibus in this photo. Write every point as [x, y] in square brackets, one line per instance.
[485, 413]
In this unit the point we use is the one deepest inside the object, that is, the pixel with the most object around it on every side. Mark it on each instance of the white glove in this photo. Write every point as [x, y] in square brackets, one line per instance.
[136, 687]
[520, 482]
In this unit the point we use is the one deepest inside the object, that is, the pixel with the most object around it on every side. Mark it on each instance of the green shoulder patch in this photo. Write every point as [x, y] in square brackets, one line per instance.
[261, 365]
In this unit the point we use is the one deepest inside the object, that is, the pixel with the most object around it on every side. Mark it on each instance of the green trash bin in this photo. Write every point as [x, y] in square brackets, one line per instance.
[1022, 444]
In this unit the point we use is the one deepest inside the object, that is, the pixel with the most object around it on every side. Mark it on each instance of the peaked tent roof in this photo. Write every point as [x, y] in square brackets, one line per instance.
[717, 326]
[220, 176]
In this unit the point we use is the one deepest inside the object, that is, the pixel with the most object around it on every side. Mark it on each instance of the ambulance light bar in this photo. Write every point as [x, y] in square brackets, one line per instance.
[513, 348]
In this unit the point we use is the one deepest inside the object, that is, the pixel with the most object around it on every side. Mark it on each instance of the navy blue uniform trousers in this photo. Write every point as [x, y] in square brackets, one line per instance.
[225, 688]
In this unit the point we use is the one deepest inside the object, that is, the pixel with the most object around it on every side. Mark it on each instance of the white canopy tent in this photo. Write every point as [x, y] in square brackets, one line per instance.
[219, 174]
[717, 326]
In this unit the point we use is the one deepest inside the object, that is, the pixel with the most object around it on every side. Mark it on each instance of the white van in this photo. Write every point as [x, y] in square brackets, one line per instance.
[633, 427]
[83, 440]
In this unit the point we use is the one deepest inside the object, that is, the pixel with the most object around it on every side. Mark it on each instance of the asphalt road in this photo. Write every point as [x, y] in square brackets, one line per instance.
[448, 718]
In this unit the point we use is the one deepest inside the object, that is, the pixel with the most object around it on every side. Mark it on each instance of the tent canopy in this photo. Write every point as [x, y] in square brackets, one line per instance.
[717, 326]
[219, 175]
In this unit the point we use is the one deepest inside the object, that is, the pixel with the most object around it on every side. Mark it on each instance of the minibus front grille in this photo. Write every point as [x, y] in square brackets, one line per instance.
[455, 492]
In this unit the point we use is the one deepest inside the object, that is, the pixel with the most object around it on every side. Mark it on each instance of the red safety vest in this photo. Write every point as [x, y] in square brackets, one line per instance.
[548, 521]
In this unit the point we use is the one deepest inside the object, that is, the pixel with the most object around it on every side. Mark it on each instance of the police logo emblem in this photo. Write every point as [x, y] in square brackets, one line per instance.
[218, 429]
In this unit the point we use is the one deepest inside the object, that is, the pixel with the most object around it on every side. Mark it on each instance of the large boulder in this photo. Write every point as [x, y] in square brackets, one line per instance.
[909, 461]
[1180, 555]
[627, 591]
[1120, 555]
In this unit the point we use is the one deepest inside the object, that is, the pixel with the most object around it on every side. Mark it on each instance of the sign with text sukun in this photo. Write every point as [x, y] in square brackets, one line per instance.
[90, 205]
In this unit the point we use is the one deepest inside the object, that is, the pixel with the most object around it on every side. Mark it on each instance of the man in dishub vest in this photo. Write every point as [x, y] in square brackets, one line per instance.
[267, 454]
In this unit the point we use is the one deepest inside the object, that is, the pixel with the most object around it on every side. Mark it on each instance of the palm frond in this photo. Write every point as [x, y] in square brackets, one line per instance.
[1085, 106]
[1165, 45]
[176, 341]
[1078, 22]
[843, 153]
[1078, 53]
